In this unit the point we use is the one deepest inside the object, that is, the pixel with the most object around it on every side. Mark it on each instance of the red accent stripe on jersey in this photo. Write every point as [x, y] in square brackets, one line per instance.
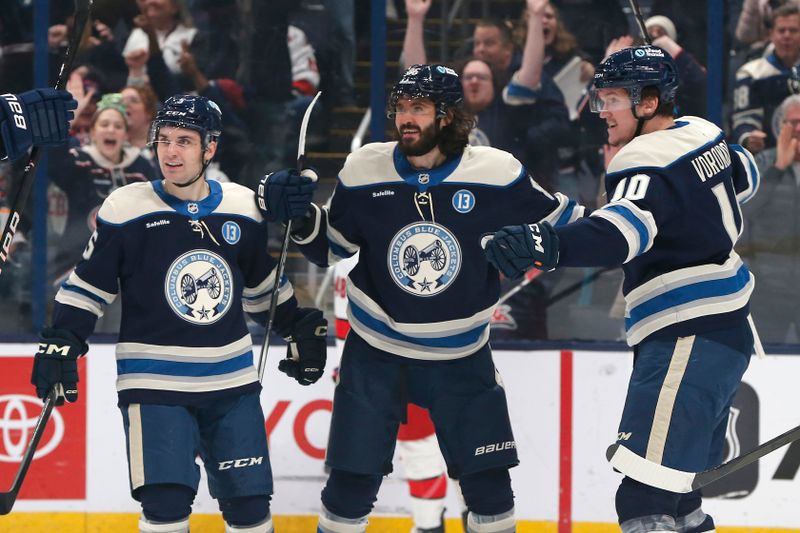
[428, 489]
[565, 446]
[342, 328]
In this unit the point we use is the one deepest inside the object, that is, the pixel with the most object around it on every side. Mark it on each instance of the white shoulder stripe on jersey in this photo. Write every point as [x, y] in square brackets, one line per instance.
[484, 165]
[661, 148]
[201, 354]
[130, 202]
[636, 225]
[238, 200]
[372, 164]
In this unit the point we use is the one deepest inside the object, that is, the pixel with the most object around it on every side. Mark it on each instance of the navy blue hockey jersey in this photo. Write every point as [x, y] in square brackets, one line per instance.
[422, 287]
[187, 272]
[672, 220]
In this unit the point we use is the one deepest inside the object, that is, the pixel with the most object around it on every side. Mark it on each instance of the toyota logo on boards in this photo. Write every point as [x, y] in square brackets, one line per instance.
[18, 415]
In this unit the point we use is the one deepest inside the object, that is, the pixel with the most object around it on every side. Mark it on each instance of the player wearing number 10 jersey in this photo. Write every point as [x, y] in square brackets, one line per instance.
[672, 221]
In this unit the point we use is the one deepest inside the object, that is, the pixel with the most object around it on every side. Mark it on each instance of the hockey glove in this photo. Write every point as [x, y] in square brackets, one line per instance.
[56, 362]
[515, 249]
[306, 355]
[286, 194]
[40, 117]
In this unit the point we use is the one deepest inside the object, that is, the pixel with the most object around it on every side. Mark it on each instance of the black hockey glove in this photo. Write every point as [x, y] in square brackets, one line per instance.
[306, 354]
[40, 117]
[515, 249]
[56, 362]
[286, 194]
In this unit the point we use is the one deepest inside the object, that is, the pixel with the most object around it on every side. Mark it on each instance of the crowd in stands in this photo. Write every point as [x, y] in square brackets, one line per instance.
[524, 71]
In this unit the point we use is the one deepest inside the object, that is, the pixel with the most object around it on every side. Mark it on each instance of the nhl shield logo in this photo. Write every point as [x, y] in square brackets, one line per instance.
[199, 286]
[424, 258]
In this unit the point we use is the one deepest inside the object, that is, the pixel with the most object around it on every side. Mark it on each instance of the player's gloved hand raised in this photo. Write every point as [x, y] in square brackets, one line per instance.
[515, 249]
[56, 362]
[305, 358]
[40, 117]
[286, 194]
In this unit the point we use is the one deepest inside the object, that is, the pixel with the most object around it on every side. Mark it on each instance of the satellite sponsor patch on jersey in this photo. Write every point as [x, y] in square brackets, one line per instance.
[199, 287]
[424, 258]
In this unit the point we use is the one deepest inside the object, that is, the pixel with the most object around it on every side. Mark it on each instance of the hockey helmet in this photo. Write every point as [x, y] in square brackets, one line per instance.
[437, 83]
[634, 69]
[192, 112]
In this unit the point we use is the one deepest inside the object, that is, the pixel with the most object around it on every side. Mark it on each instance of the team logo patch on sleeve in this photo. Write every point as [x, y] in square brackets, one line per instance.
[199, 287]
[424, 258]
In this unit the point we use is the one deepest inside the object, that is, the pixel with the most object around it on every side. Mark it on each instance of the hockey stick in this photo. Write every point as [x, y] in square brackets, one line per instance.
[637, 13]
[301, 150]
[7, 499]
[530, 275]
[673, 480]
[82, 9]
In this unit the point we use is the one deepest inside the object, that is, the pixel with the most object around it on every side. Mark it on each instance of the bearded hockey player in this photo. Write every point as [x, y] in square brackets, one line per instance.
[420, 299]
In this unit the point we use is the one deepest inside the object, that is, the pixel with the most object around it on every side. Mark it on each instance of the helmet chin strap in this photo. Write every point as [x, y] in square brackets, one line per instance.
[190, 182]
[641, 120]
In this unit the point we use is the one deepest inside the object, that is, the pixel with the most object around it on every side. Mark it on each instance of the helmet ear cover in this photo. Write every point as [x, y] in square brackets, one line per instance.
[438, 83]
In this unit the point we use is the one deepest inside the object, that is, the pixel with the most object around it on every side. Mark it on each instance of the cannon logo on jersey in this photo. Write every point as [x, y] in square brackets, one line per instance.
[199, 287]
[424, 258]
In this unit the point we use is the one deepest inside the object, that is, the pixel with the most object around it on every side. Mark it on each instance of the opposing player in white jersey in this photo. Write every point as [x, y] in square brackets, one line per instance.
[185, 254]
[672, 221]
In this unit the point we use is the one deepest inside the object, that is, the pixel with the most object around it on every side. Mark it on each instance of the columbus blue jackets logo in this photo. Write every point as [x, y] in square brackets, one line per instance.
[424, 258]
[199, 287]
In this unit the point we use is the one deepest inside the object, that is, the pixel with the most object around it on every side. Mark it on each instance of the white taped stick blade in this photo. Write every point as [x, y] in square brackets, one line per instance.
[648, 472]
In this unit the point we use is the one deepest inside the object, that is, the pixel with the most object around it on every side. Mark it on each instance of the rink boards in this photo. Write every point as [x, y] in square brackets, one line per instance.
[564, 407]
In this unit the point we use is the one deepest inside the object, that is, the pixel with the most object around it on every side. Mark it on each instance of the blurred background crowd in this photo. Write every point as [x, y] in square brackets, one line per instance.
[524, 66]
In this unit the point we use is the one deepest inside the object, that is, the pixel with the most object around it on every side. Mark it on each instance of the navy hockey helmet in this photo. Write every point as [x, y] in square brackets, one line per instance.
[634, 69]
[192, 112]
[437, 83]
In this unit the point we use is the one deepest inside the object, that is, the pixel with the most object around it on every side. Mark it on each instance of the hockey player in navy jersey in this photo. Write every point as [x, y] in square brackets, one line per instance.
[38, 117]
[672, 221]
[420, 299]
[185, 256]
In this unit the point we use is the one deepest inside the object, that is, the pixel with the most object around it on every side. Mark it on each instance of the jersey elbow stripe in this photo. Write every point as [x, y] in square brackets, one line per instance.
[76, 281]
[566, 212]
[636, 225]
[80, 300]
[751, 171]
[318, 214]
